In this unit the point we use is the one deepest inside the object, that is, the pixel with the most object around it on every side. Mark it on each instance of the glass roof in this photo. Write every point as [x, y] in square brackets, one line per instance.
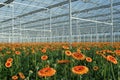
[54, 14]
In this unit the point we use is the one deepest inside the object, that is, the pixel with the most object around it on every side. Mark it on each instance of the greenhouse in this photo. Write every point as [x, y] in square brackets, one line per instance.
[59, 39]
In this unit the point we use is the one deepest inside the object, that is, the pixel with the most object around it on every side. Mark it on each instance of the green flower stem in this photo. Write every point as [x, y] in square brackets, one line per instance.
[28, 67]
[63, 54]
[113, 72]
[118, 71]
[46, 78]
[55, 74]
[80, 77]
[55, 77]
[35, 67]
[65, 72]
[17, 62]
[105, 72]
[72, 64]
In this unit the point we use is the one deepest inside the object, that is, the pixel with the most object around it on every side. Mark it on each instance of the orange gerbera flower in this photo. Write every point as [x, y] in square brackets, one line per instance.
[46, 72]
[87, 48]
[17, 52]
[0, 48]
[78, 50]
[63, 61]
[95, 68]
[13, 49]
[88, 59]
[117, 52]
[10, 60]
[111, 59]
[14, 77]
[44, 57]
[8, 64]
[65, 47]
[68, 53]
[109, 51]
[80, 70]
[21, 75]
[43, 50]
[78, 56]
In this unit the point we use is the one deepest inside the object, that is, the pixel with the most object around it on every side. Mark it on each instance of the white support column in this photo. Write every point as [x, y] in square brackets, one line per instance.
[105, 38]
[97, 32]
[13, 23]
[77, 30]
[114, 39]
[50, 26]
[118, 39]
[63, 33]
[2, 32]
[84, 38]
[9, 39]
[91, 34]
[56, 35]
[20, 31]
[44, 32]
[70, 22]
[111, 10]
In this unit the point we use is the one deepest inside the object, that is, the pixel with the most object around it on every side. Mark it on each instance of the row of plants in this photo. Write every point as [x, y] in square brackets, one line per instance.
[60, 61]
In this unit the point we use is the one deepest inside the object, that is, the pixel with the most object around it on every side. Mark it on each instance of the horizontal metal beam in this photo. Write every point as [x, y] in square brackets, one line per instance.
[62, 22]
[106, 6]
[100, 15]
[65, 2]
[9, 33]
[82, 26]
[32, 29]
[29, 5]
[66, 14]
[95, 21]
[39, 10]
[6, 3]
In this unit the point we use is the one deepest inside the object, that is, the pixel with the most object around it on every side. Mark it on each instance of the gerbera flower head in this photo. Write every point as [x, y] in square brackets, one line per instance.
[17, 52]
[111, 59]
[78, 56]
[43, 50]
[78, 50]
[21, 75]
[10, 60]
[15, 77]
[65, 47]
[46, 72]
[8, 64]
[95, 68]
[68, 53]
[44, 57]
[117, 52]
[80, 70]
[88, 59]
